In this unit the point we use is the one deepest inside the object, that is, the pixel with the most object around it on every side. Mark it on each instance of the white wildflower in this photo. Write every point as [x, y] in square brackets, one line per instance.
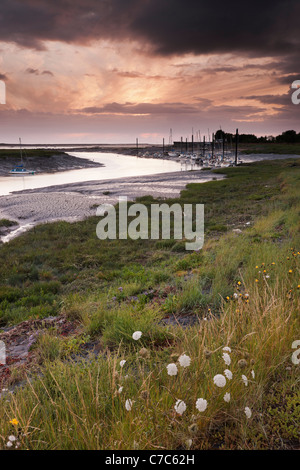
[172, 369]
[227, 397]
[201, 404]
[120, 389]
[135, 445]
[235, 295]
[219, 380]
[245, 380]
[226, 359]
[188, 443]
[253, 374]
[248, 412]
[184, 360]
[227, 349]
[12, 438]
[9, 444]
[180, 407]
[137, 335]
[128, 404]
[228, 374]
[122, 363]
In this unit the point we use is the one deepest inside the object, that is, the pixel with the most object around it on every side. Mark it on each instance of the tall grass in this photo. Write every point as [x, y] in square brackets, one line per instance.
[245, 290]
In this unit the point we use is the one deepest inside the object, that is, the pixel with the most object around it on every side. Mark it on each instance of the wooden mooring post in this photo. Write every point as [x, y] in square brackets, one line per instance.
[236, 146]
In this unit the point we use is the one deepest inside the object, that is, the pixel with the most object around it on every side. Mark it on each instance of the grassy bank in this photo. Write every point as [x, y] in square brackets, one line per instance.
[15, 153]
[41, 160]
[270, 147]
[241, 291]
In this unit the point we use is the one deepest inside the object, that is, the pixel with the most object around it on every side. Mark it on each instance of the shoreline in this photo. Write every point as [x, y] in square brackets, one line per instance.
[57, 162]
[77, 201]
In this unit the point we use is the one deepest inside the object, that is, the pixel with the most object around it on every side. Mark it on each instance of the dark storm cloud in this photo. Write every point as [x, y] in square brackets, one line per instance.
[258, 28]
[288, 79]
[290, 63]
[284, 99]
[31, 22]
[254, 28]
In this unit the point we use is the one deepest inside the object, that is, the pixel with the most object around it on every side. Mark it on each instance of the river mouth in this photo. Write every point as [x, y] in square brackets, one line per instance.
[77, 201]
[74, 195]
[100, 166]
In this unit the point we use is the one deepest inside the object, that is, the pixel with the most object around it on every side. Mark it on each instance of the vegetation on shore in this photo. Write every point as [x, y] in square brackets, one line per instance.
[6, 225]
[42, 160]
[270, 147]
[15, 153]
[286, 137]
[241, 292]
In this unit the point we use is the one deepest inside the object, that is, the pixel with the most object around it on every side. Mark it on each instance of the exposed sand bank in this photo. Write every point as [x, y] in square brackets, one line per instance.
[76, 201]
[46, 163]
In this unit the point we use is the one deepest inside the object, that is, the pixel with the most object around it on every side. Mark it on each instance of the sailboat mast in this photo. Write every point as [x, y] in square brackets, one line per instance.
[21, 149]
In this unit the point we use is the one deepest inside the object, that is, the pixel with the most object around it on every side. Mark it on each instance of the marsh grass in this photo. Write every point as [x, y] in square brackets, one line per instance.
[244, 290]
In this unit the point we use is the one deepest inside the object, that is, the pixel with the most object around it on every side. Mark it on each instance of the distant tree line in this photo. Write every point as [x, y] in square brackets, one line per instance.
[288, 137]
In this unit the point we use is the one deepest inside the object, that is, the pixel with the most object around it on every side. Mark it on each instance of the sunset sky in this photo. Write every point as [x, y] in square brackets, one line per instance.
[101, 71]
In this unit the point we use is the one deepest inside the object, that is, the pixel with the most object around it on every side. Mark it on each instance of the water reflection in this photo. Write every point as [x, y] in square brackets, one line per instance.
[116, 166]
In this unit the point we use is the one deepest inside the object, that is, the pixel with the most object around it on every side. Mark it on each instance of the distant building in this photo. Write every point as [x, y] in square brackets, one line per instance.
[189, 145]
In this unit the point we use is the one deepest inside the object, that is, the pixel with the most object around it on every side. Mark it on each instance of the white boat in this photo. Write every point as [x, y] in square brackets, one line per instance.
[227, 163]
[19, 170]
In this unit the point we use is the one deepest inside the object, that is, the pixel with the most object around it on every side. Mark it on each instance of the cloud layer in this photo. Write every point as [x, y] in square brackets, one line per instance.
[167, 27]
[140, 67]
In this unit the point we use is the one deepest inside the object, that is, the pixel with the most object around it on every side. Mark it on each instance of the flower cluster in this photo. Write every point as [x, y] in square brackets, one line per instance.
[184, 361]
[239, 296]
[12, 442]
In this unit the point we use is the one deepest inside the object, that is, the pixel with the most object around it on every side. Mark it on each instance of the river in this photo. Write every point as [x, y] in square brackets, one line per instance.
[116, 166]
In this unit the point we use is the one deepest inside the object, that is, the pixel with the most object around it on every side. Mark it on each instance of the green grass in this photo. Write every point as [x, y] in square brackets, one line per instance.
[5, 223]
[279, 148]
[243, 288]
[7, 153]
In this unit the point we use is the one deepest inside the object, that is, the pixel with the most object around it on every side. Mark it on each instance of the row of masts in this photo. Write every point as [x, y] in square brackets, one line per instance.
[202, 147]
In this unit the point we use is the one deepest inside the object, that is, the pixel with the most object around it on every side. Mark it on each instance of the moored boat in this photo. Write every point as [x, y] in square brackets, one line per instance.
[20, 170]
